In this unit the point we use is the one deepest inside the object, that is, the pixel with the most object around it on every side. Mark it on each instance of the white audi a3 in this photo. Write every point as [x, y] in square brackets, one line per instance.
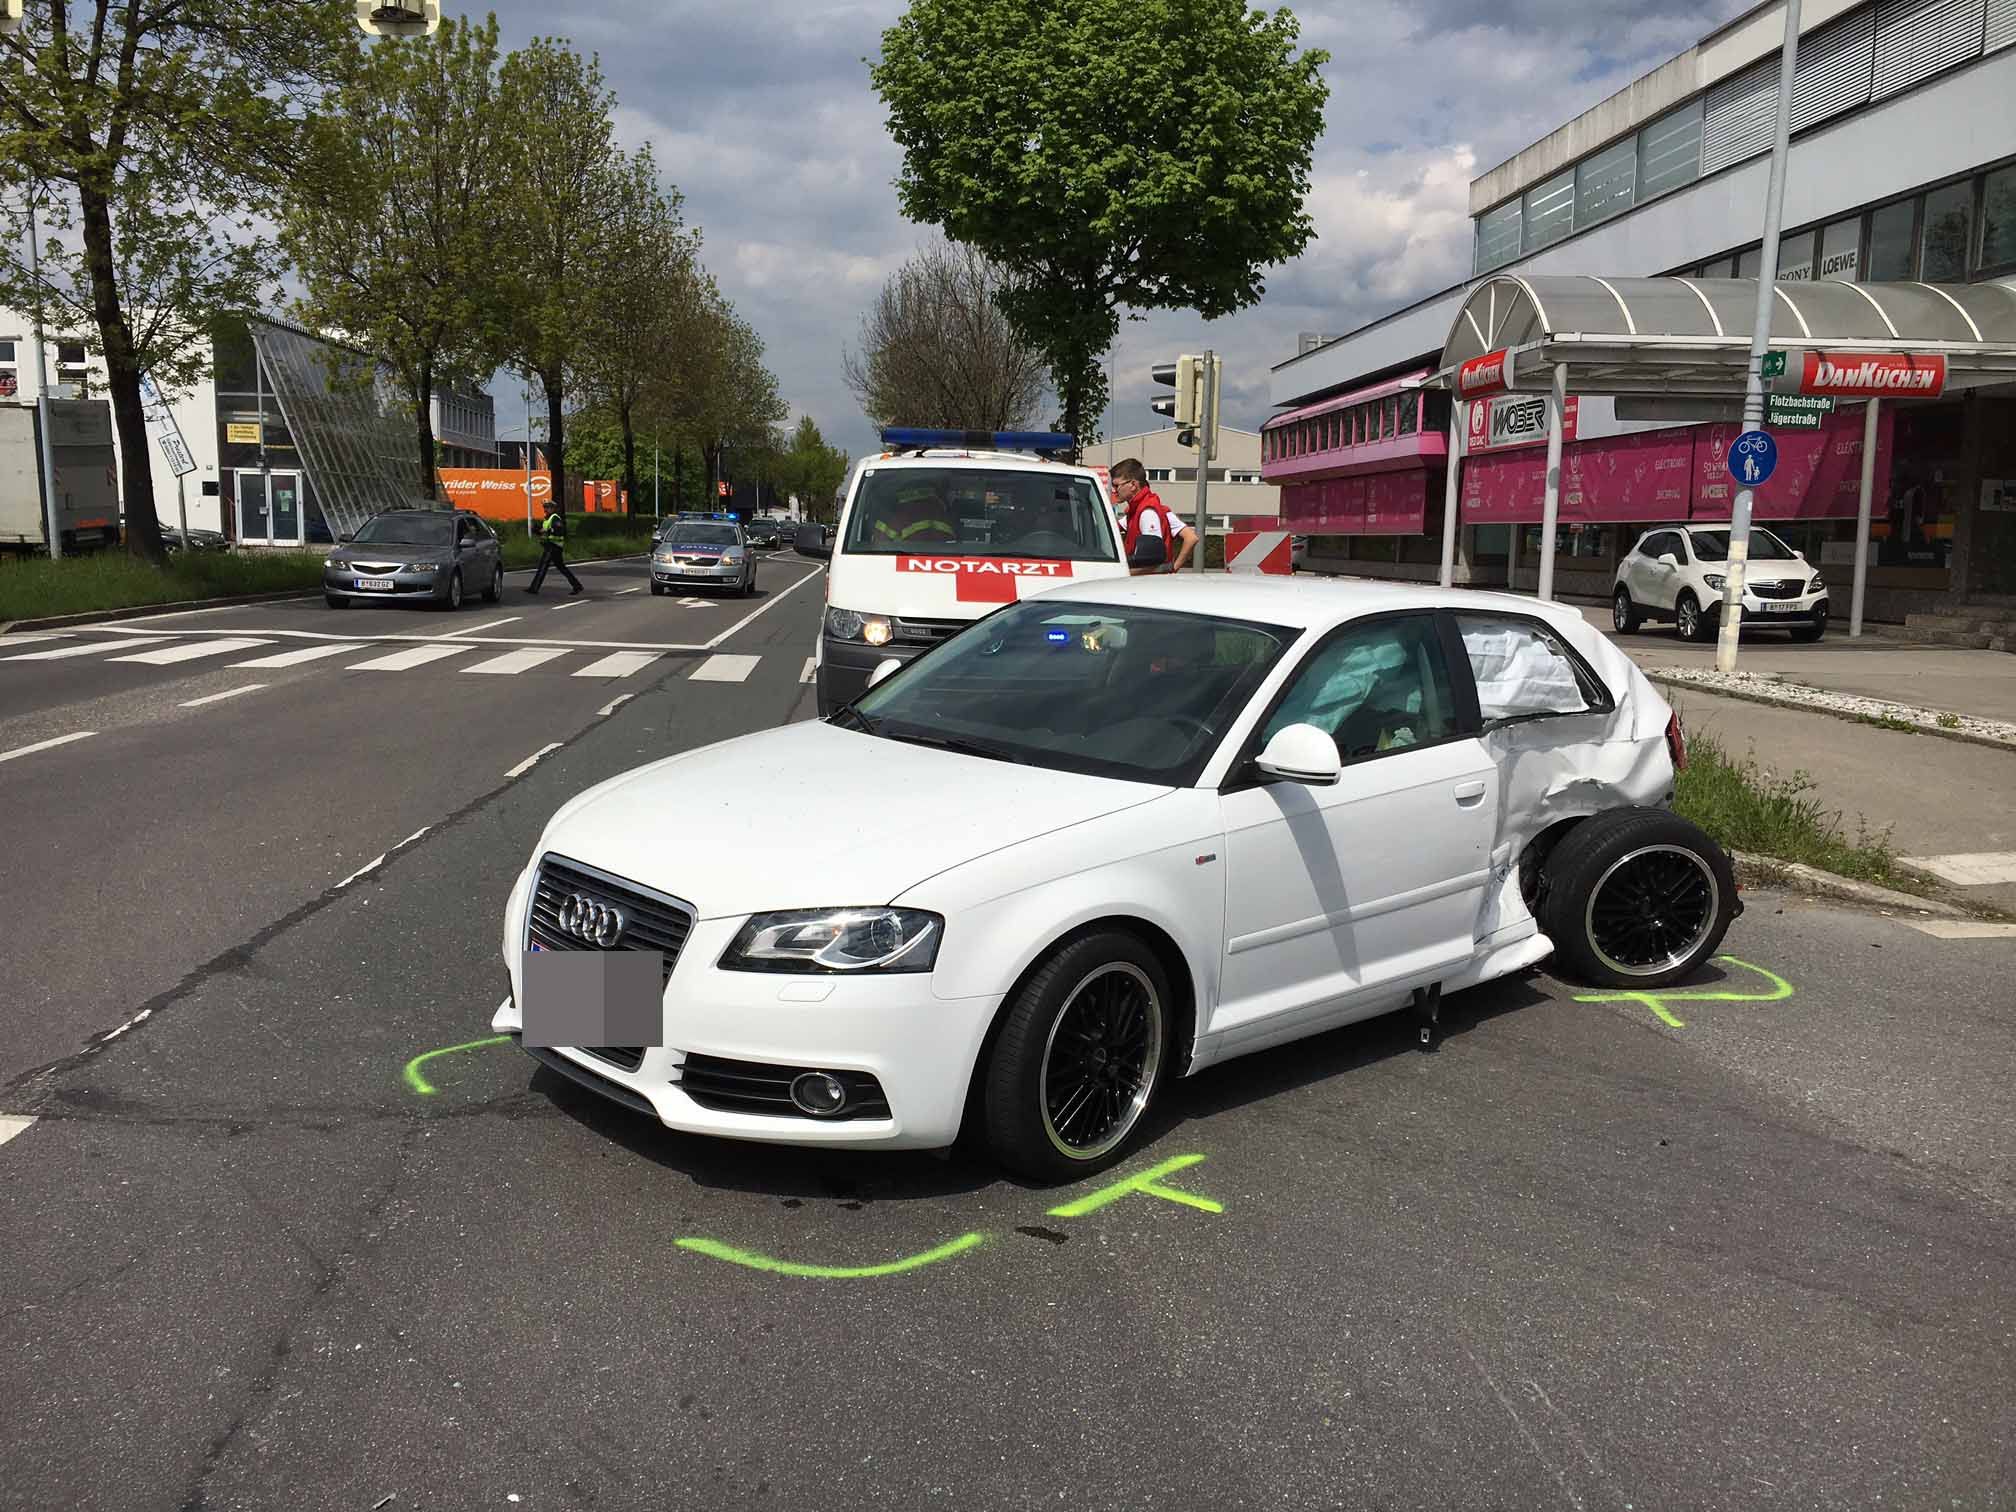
[1107, 837]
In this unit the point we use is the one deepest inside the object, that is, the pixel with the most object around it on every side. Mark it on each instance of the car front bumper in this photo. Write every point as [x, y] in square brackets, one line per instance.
[1763, 613]
[918, 1047]
[722, 575]
[845, 666]
[404, 584]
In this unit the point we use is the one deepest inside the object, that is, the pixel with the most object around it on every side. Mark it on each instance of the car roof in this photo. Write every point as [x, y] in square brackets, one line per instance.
[1300, 602]
[993, 460]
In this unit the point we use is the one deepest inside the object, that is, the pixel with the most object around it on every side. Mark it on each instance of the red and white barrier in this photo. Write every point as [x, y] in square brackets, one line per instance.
[1266, 551]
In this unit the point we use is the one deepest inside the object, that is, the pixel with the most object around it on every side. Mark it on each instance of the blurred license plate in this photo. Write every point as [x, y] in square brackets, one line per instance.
[1782, 609]
[382, 584]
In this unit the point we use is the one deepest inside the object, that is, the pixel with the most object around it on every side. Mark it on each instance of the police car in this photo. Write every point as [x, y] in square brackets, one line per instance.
[943, 527]
[703, 551]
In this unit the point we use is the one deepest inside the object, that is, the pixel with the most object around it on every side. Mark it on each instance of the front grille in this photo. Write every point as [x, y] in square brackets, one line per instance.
[925, 632]
[652, 921]
[376, 569]
[733, 1086]
[1778, 590]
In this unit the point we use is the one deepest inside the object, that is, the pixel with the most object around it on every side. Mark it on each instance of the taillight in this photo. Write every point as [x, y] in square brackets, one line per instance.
[1676, 743]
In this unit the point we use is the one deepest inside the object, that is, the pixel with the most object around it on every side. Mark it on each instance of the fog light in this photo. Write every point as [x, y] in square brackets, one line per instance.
[818, 1093]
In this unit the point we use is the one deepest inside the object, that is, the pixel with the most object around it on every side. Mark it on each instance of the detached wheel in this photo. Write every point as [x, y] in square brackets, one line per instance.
[1078, 1059]
[1689, 620]
[1624, 613]
[1637, 898]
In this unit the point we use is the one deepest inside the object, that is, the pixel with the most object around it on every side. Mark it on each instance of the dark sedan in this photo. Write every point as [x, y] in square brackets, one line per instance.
[430, 555]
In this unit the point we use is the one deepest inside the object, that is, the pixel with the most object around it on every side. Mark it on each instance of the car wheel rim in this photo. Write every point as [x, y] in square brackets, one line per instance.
[1100, 1060]
[1687, 618]
[1651, 909]
[455, 593]
[1619, 612]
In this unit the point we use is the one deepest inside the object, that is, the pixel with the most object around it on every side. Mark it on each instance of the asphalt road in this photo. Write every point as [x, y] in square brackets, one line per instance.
[1755, 1249]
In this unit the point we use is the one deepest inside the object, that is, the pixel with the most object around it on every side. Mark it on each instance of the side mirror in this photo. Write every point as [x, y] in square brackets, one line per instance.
[1667, 559]
[811, 542]
[883, 668]
[1302, 753]
[1149, 551]
[344, 537]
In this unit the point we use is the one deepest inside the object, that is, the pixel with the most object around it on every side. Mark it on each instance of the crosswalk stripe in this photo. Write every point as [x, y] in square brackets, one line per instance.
[725, 668]
[618, 664]
[14, 1124]
[416, 656]
[90, 648]
[168, 655]
[810, 671]
[514, 661]
[305, 654]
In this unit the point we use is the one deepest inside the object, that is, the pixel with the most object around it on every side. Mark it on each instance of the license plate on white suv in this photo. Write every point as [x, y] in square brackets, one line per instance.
[381, 584]
[1777, 608]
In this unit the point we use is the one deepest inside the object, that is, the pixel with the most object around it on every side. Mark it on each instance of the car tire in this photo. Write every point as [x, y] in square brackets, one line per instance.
[1057, 1112]
[1693, 623]
[1637, 898]
[494, 594]
[658, 590]
[1624, 613]
[335, 601]
[452, 599]
[749, 586]
[1814, 631]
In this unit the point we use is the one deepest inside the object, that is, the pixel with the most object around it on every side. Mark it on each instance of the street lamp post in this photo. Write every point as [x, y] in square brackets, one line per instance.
[43, 415]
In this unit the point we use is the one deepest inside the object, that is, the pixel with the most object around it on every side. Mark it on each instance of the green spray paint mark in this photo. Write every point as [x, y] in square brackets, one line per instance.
[1149, 1183]
[424, 1087]
[1657, 1001]
[776, 1267]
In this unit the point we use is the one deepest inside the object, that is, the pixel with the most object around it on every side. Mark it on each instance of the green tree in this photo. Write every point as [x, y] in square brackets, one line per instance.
[395, 221]
[560, 181]
[1145, 154]
[811, 470]
[740, 406]
[163, 130]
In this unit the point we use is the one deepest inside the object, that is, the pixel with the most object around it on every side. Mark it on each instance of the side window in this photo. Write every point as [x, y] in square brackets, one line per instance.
[1660, 542]
[1381, 687]
[1524, 672]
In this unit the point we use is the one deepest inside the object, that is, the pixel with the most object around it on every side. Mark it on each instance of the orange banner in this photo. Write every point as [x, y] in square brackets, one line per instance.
[496, 493]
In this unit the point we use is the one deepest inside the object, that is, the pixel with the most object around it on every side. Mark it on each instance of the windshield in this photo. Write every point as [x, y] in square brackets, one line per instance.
[1713, 546]
[1140, 694]
[406, 530]
[700, 535]
[975, 512]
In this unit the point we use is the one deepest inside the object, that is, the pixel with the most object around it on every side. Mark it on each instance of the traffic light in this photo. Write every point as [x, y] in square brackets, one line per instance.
[1190, 406]
[10, 16]
[399, 18]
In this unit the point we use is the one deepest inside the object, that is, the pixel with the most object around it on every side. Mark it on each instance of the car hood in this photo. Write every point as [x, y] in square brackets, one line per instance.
[371, 551]
[813, 815]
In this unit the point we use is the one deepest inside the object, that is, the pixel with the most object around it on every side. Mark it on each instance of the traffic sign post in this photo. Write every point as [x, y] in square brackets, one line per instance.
[174, 450]
[1797, 411]
[1753, 457]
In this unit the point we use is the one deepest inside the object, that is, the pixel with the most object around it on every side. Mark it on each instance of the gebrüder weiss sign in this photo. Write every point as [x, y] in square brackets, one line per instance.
[1489, 374]
[1873, 375]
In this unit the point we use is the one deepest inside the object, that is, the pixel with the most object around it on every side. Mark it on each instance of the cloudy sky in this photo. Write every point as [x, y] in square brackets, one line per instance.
[761, 112]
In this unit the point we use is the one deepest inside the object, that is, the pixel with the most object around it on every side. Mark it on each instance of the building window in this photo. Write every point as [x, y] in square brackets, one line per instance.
[1998, 220]
[1550, 211]
[1408, 404]
[1841, 251]
[1722, 267]
[1892, 236]
[1749, 264]
[1669, 151]
[70, 353]
[1390, 416]
[1943, 243]
[6, 351]
[1606, 182]
[1497, 237]
[1244, 477]
[1795, 258]
[1160, 474]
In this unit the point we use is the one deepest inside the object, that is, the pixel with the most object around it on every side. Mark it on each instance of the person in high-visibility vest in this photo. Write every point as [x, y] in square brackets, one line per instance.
[551, 534]
[919, 518]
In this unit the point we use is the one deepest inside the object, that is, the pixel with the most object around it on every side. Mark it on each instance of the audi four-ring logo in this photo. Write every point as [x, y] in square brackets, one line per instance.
[587, 920]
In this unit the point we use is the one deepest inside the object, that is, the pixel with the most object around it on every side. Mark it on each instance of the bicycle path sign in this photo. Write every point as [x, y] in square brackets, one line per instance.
[1753, 457]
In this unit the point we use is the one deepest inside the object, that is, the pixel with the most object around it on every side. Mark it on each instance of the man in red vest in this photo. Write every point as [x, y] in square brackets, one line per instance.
[1148, 516]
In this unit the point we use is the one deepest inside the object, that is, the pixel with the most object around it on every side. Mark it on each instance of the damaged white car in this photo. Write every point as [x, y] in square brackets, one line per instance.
[1109, 836]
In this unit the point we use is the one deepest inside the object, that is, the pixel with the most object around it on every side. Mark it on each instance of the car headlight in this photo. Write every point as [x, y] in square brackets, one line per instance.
[1818, 585]
[837, 940]
[846, 624]
[423, 568]
[1715, 581]
[733, 554]
[663, 558]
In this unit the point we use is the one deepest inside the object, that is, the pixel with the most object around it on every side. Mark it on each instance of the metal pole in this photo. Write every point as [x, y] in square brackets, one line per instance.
[1207, 424]
[1550, 509]
[1760, 340]
[1452, 488]
[1869, 423]
[43, 417]
[528, 454]
[654, 477]
[182, 509]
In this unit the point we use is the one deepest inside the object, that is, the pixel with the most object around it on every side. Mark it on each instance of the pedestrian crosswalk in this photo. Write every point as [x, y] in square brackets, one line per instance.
[266, 652]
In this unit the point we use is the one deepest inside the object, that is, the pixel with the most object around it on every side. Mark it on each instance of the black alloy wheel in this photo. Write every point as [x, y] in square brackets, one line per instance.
[1637, 898]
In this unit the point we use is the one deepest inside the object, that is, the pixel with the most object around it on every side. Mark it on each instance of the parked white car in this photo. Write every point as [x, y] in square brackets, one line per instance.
[1109, 836]
[1679, 572]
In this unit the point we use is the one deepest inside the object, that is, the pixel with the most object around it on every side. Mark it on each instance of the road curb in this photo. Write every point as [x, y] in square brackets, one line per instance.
[1662, 676]
[1753, 870]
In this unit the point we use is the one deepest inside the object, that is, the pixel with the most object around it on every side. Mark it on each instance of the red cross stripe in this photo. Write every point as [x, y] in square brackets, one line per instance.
[984, 580]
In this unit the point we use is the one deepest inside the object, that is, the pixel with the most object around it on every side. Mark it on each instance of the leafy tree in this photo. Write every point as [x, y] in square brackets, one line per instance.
[395, 221]
[163, 130]
[1152, 154]
[561, 180]
[811, 470]
[740, 404]
[936, 349]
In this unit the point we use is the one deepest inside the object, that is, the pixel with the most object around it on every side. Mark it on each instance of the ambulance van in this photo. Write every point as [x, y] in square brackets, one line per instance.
[943, 527]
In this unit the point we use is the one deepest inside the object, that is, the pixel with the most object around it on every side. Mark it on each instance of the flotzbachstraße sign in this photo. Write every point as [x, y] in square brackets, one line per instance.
[1489, 374]
[1873, 375]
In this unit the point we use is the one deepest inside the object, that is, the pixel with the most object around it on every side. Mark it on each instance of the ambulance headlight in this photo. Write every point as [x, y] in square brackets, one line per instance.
[847, 625]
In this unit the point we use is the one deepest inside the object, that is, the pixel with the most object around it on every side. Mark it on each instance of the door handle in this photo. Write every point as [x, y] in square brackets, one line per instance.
[1470, 794]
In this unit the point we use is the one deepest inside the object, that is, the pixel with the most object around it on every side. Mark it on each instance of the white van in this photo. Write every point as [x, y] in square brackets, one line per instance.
[942, 528]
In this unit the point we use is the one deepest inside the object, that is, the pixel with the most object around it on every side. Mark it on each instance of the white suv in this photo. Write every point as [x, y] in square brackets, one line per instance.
[1678, 572]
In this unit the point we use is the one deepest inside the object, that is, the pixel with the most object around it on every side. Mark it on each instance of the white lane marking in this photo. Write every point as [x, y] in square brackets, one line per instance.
[45, 745]
[514, 661]
[369, 866]
[197, 703]
[618, 664]
[810, 670]
[304, 654]
[412, 837]
[121, 627]
[13, 1125]
[571, 604]
[531, 761]
[400, 661]
[621, 591]
[25, 640]
[614, 704]
[724, 668]
[509, 619]
[1962, 929]
[1969, 869]
[133, 1023]
[694, 603]
[90, 648]
[168, 655]
[407, 640]
[771, 603]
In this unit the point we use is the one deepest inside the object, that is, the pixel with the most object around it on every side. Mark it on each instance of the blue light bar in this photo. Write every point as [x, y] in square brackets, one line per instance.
[910, 436]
